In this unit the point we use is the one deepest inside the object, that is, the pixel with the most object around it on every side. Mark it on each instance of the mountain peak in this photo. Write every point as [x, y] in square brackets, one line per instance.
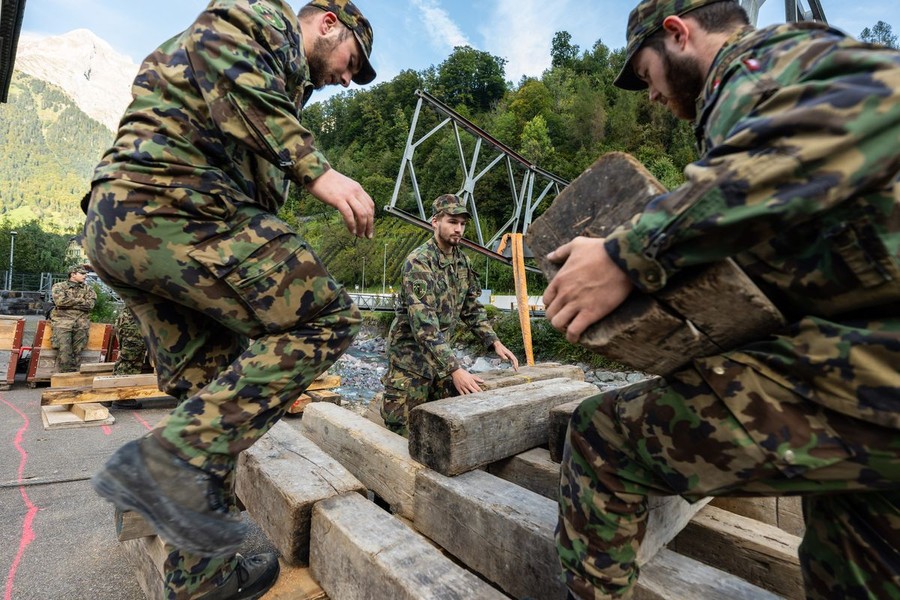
[85, 66]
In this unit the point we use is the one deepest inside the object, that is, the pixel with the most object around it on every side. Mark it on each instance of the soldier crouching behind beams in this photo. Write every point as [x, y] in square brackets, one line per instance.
[799, 133]
[181, 223]
[439, 291]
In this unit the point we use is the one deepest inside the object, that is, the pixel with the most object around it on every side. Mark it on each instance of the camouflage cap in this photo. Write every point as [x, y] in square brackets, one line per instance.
[349, 15]
[448, 204]
[78, 269]
[645, 20]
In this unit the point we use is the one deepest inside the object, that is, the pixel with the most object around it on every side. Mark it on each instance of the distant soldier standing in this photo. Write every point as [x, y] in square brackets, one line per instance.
[70, 320]
[439, 291]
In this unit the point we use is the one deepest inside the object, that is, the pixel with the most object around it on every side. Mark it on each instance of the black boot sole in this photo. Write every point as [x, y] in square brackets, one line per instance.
[201, 534]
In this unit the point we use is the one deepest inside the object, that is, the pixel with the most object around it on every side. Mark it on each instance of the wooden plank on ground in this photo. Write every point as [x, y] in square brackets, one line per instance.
[358, 551]
[458, 434]
[762, 554]
[324, 382]
[507, 534]
[280, 478]
[58, 380]
[659, 333]
[131, 526]
[671, 576]
[377, 457]
[90, 411]
[295, 583]
[77, 395]
[560, 415]
[103, 382]
[60, 417]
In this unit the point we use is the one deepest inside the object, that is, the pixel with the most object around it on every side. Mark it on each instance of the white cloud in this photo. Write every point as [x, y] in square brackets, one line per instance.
[443, 33]
[521, 31]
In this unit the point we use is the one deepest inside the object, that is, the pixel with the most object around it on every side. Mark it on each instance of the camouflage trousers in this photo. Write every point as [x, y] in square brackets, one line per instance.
[238, 312]
[680, 438]
[69, 338]
[404, 390]
[132, 350]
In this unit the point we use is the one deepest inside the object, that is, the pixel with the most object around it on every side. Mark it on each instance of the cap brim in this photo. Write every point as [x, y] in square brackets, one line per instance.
[627, 80]
[366, 72]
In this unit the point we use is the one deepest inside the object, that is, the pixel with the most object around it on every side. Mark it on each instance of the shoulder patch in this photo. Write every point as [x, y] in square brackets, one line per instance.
[269, 16]
[420, 288]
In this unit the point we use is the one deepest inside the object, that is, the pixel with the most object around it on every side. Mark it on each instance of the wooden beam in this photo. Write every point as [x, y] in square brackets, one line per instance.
[103, 382]
[532, 469]
[458, 434]
[501, 378]
[784, 512]
[324, 382]
[103, 367]
[280, 478]
[90, 411]
[317, 396]
[670, 575]
[131, 526]
[79, 395]
[496, 528]
[658, 333]
[377, 457]
[358, 552]
[762, 554]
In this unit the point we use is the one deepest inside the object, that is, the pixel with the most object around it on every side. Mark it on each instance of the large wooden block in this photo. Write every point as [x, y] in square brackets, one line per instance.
[658, 333]
[762, 554]
[496, 528]
[78, 395]
[377, 457]
[501, 378]
[131, 526]
[459, 434]
[280, 478]
[358, 552]
[532, 469]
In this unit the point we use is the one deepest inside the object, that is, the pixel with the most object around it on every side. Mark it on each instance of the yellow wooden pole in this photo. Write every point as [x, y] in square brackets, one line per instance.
[518, 260]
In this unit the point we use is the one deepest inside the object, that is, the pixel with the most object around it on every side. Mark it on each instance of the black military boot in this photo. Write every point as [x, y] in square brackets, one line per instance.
[249, 581]
[184, 504]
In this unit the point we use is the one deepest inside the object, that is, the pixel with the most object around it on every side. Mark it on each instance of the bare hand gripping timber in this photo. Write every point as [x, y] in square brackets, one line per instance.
[703, 311]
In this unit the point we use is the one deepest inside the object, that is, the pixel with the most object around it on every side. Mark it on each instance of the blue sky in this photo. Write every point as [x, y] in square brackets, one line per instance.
[415, 34]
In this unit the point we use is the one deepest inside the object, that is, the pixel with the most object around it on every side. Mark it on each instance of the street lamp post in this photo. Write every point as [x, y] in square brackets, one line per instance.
[384, 269]
[364, 275]
[12, 247]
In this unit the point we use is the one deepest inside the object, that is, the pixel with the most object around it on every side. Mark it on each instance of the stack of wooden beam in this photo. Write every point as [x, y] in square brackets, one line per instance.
[465, 508]
[11, 329]
[42, 364]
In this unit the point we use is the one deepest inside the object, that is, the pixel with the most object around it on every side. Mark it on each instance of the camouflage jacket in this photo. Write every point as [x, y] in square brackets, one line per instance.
[438, 292]
[799, 132]
[72, 300]
[217, 109]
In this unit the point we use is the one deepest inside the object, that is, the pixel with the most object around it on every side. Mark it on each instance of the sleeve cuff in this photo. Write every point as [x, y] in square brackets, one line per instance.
[310, 167]
[628, 249]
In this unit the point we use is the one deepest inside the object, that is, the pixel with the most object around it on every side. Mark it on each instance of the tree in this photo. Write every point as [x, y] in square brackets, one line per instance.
[471, 78]
[563, 53]
[881, 33]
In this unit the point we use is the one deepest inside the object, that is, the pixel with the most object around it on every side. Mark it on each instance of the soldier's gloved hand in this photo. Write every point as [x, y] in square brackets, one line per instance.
[349, 198]
[505, 353]
[587, 287]
[465, 382]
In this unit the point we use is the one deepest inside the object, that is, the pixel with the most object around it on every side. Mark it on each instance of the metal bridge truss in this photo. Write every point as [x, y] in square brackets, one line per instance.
[793, 11]
[529, 185]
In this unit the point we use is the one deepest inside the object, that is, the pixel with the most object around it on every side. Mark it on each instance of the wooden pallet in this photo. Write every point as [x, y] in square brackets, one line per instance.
[42, 364]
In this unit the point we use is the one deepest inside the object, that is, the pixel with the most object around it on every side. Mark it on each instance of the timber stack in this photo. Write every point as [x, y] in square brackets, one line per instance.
[465, 508]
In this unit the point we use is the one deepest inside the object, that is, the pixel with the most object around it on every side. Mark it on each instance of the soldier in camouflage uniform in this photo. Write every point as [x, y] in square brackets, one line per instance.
[132, 352]
[439, 291]
[70, 319]
[239, 313]
[799, 134]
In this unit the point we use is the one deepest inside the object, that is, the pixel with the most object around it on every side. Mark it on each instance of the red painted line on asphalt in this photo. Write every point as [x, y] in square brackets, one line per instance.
[27, 532]
[107, 429]
[142, 421]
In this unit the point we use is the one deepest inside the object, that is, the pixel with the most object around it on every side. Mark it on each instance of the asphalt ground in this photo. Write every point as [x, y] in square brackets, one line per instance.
[57, 536]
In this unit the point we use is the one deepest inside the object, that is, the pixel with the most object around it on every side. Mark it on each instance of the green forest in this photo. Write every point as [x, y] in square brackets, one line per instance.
[561, 122]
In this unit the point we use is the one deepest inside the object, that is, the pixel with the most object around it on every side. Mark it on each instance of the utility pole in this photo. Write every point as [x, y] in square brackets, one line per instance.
[364, 275]
[12, 247]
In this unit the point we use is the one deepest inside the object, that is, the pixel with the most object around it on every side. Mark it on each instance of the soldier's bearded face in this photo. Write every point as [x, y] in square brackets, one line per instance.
[673, 81]
[334, 59]
[449, 229]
